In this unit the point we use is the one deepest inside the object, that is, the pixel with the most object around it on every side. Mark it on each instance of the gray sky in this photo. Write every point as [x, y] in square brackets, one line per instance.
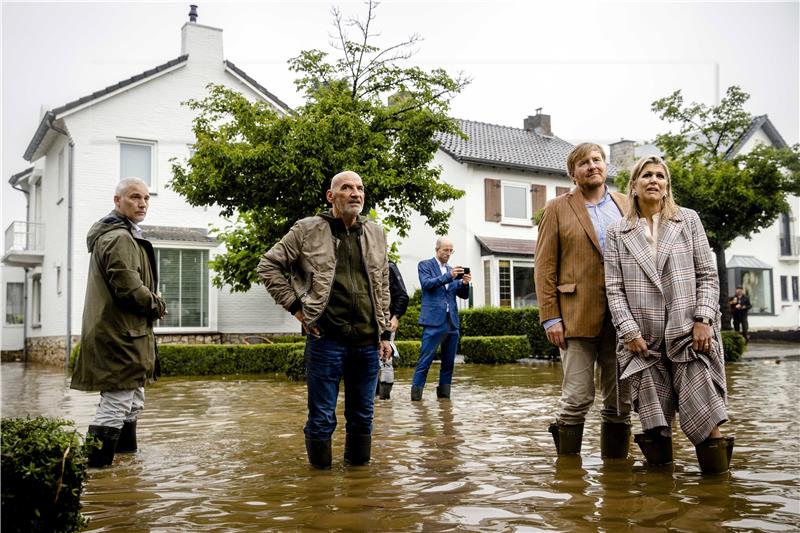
[594, 67]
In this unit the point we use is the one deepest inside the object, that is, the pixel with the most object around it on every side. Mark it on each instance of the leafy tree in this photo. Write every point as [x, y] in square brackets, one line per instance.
[266, 169]
[735, 194]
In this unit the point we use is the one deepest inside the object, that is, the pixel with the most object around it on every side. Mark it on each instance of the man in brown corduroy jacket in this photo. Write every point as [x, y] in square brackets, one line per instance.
[570, 287]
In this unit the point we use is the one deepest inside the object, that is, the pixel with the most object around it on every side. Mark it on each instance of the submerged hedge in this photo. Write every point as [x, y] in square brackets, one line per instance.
[44, 464]
[495, 350]
[734, 345]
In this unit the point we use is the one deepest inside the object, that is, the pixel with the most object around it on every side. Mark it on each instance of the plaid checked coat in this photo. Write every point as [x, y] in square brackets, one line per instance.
[660, 299]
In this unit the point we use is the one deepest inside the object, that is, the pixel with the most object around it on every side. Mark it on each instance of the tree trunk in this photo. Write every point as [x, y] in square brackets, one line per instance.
[722, 272]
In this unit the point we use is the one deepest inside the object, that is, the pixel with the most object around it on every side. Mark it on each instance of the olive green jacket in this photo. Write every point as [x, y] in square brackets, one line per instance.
[308, 251]
[118, 349]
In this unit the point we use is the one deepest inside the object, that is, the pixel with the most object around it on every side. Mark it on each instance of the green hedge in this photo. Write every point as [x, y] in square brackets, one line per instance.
[44, 466]
[217, 359]
[495, 350]
[734, 345]
[408, 329]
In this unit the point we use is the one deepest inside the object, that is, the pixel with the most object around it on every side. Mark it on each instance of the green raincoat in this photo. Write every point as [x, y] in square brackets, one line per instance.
[118, 349]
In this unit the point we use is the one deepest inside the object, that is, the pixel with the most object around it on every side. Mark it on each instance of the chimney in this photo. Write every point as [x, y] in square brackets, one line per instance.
[202, 43]
[539, 123]
[622, 154]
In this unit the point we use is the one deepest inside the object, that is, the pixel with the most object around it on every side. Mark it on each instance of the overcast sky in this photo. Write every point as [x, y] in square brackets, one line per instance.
[594, 67]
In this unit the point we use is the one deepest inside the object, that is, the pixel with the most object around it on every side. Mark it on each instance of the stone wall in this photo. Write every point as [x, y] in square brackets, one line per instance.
[48, 350]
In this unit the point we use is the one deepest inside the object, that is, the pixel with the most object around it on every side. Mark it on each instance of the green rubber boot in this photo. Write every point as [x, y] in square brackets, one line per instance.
[615, 440]
[657, 449]
[416, 393]
[357, 449]
[567, 438]
[127, 438]
[319, 453]
[108, 437]
[713, 454]
[443, 392]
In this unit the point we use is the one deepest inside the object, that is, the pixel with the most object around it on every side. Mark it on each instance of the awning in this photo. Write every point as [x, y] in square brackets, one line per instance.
[747, 261]
[503, 246]
[177, 234]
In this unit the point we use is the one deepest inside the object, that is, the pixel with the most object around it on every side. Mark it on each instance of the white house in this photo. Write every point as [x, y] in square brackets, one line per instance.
[767, 266]
[79, 152]
[508, 174]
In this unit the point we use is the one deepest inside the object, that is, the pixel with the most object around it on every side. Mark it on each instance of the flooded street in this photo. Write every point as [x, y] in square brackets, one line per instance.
[228, 455]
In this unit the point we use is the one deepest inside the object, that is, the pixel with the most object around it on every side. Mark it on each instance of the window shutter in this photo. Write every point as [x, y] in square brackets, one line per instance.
[538, 196]
[491, 189]
[561, 190]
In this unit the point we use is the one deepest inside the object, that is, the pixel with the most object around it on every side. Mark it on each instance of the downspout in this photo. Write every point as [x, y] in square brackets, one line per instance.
[70, 176]
[25, 281]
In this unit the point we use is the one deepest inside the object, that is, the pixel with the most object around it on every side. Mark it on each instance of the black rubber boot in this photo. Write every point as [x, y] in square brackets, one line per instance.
[567, 438]
[385, 390]
[416, 393]
[127, 438]
[443, 392]
[357, 449]
[713, 454]
[657, 449]
[108, 437]
[615, 440]
[319, 453]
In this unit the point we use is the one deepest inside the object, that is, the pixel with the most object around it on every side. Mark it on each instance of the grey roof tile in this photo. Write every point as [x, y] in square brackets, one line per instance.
[502, 245]
[177, 234]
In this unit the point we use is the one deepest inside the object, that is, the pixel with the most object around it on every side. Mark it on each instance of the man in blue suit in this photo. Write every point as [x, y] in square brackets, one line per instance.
[441, 283]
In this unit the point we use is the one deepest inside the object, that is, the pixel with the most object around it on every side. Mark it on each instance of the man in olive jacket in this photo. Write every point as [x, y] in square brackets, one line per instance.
[339, 291]
[118, 348]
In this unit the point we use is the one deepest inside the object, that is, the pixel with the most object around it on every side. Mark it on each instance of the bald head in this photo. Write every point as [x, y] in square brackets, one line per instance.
[346, 196]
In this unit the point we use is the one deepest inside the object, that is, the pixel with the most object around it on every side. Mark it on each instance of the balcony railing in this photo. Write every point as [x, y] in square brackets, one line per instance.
[789, 246]
[24, 237]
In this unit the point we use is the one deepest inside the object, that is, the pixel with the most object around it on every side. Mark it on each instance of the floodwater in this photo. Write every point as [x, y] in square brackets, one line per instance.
[227, 454]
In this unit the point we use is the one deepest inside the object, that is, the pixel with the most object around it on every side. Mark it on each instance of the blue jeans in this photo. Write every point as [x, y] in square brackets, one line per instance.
[432, 337]
[327, 362]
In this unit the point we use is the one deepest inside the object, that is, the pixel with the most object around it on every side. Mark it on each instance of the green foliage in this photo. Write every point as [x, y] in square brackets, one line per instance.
[220, 359]
[495, 350]
[416, 299]
[492, 321]
[288, 338]
[409, 353]
[734, 345]
[407, 328]
[537, 216]
[735, 194]
[73, 355]
[44, 472]
[265, 168]
[296, 364]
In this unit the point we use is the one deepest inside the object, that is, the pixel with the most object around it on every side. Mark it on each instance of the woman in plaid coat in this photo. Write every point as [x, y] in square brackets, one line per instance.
[663, 294]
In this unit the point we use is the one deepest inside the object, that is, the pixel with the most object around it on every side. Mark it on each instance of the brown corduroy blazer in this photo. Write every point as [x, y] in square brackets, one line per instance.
[570, 282]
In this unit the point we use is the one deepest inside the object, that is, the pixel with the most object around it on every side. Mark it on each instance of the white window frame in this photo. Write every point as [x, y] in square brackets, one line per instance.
[153, 188]
[212, 291]
[36, 300]
[526, 190]
[494, 281]
[6, 307]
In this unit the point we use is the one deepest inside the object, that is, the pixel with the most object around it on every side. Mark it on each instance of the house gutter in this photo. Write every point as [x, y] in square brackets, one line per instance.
[70, 176]
[25, 281]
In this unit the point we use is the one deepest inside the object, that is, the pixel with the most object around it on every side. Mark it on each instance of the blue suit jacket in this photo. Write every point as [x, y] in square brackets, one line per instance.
[439, 290]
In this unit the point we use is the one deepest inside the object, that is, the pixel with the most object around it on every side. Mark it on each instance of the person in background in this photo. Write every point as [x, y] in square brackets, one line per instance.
[740, 306]
[118, 354]
[663, 293]
[398, 304]
[339, 291]
[570, 287]
[438, 316]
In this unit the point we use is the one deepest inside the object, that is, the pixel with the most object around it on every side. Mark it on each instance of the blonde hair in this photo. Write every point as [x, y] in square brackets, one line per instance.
[581, 151]
[668, 206]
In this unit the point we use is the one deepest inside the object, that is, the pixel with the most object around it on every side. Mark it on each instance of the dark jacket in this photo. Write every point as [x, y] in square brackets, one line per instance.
[742, 300]
[439, 293]
[118, 349]
[397, 291]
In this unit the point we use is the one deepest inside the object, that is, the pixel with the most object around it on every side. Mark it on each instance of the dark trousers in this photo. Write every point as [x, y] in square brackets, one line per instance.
[740, 321]
[445, 335]
[327, 362]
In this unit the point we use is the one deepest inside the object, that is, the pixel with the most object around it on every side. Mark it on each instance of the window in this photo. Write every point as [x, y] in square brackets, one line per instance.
[136, 161]
[183, 282]
[757, 284]
[58, 279]
[795, 289]
[14, 302]
[516, 207]
[36, 300]
[487, 282]
[784, 288]
[515, 283]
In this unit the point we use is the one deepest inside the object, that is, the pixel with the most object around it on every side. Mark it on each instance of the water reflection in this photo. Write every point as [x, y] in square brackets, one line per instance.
[228, 455]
